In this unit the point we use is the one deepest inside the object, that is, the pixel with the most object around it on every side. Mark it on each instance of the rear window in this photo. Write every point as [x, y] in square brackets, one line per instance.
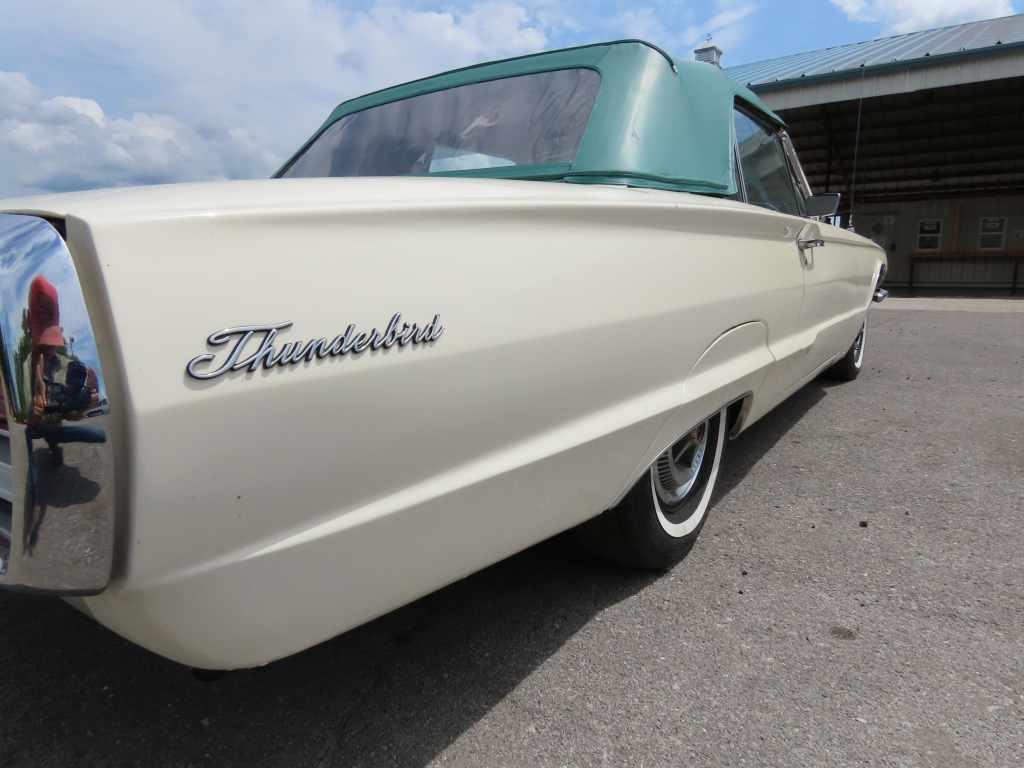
[529, 120]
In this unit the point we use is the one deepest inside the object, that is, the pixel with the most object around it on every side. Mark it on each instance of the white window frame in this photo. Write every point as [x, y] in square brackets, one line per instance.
[937, 235]
[982, 233]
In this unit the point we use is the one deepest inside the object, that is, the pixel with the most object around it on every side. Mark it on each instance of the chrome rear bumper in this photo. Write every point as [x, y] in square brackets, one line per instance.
[56, 474]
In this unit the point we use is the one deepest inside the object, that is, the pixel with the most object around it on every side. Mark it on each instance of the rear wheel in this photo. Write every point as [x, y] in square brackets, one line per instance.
[849, 367]
[659, 519]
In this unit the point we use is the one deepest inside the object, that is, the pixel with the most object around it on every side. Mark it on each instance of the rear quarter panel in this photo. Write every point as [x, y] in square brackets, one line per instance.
[269, 511]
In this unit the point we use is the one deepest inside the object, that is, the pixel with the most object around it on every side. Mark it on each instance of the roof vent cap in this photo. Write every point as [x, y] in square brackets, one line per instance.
[709, 53]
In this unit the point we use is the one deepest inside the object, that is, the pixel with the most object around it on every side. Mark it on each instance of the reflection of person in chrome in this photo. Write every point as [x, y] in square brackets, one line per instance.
[44, 329]
[53, 401]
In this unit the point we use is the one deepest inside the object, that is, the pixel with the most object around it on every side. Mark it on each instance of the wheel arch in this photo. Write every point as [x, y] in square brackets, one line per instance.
[726, 376]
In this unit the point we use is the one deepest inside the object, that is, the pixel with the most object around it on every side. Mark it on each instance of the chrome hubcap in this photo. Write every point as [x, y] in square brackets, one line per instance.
[676, 470]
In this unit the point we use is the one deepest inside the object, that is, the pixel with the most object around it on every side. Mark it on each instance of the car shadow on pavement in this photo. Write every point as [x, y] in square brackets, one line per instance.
[747, 449]
[394, 692]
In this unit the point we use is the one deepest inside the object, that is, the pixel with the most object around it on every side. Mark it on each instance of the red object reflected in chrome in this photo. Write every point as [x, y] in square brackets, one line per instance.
[44, 314]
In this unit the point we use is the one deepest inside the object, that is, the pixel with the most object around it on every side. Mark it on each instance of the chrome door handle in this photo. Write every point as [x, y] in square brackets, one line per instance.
[816, 242]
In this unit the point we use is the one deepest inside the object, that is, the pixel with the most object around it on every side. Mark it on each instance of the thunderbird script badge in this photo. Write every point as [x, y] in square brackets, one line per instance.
[252, 346]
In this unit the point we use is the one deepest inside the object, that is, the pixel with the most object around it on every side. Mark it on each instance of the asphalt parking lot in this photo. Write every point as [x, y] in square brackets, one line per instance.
[857, 598]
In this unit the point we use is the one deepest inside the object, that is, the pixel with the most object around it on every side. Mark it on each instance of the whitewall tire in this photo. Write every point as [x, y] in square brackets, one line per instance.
[849, 367]
[659, 519]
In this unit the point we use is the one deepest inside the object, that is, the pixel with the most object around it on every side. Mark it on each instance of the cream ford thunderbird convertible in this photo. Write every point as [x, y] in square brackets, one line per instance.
[473, 311]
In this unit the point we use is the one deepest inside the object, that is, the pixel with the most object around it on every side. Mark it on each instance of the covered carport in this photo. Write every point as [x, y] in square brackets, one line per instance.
[923, 134]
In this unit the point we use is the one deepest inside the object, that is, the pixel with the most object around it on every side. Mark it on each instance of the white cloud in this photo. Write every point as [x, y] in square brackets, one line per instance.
[69, 109]
[230, 89]
[898, 16]
[16, 92]
[644, 23]
[680, 33]
[69, 143]
[176, 90]
[728, 28]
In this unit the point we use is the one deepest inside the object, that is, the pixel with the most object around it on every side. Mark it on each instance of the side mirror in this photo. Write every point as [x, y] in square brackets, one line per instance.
[823, 204]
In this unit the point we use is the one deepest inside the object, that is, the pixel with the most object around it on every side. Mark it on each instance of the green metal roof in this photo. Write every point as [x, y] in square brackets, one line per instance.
[976, 38]
[656, 122]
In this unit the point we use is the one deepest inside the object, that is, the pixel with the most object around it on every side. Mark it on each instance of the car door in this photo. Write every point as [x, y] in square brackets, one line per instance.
[833, 270]
[840, 276]
[767, 182]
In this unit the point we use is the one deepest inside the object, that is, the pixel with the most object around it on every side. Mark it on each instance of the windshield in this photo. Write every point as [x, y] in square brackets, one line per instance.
[528, 120]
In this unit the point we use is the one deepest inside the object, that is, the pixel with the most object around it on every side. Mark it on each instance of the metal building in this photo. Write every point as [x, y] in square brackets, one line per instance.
[923, 134]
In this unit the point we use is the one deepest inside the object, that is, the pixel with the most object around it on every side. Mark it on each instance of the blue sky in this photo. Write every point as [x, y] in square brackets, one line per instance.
[98, 93]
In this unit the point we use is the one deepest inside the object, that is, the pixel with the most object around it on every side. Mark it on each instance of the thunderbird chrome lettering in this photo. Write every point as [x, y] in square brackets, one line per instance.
[253, 346]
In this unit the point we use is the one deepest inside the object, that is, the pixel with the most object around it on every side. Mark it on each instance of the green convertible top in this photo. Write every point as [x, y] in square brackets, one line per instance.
[656, 122]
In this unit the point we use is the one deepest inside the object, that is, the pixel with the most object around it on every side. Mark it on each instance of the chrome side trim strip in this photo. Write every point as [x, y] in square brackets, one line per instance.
[60, 535]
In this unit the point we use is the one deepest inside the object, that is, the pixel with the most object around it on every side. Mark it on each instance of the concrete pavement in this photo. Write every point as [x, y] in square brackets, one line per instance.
[856, 598]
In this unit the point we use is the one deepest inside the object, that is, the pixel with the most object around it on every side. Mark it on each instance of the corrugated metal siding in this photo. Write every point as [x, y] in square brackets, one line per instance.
[959, 262]
[963, 274]
[961, 39]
